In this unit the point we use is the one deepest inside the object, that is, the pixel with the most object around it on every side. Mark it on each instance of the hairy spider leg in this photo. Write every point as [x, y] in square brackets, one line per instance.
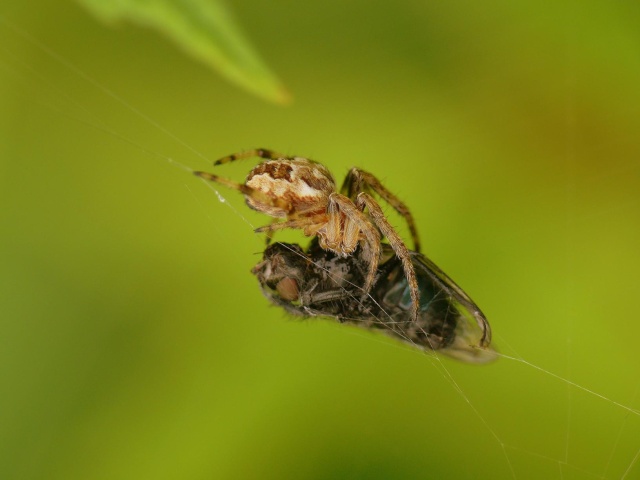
[269, 232]
[375, 212]
[297, 223]
[256, 152]
[360, 181]
[358, 221]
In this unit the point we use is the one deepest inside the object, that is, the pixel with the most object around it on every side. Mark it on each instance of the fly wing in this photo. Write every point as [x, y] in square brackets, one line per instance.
[472, 339]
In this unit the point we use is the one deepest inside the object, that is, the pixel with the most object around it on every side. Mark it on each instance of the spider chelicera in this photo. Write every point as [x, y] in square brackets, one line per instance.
[303, 192]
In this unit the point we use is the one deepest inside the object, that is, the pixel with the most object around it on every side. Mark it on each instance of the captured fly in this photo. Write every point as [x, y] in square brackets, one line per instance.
[320, 283]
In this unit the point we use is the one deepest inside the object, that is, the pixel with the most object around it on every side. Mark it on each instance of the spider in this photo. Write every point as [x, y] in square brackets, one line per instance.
[303, 192]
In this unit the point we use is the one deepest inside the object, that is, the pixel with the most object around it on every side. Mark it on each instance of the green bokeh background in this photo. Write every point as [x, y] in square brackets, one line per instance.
[134, 341]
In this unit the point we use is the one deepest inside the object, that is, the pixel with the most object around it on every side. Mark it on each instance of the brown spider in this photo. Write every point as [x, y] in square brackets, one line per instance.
[304, 193]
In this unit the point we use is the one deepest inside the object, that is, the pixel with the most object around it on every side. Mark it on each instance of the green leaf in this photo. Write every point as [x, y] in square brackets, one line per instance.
[207, 31]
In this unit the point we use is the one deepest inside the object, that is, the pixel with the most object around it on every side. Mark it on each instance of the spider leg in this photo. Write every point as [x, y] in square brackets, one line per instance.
[240, 187]
[269, 233]
[352, 184]
[360, 181]
[295, 223]
[256, 152]
[375, 212]
[357, 222]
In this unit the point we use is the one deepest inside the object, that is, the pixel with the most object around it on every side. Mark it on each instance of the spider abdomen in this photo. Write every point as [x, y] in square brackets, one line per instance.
[296, 185]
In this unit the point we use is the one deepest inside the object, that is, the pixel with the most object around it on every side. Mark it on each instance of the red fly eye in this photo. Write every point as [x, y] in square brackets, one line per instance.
[288, 290]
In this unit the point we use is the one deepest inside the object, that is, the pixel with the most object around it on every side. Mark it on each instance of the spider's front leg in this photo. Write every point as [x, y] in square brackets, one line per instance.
[305, 223]
[269, 231]
[366, 200]
[256, 152]
[358, 181]
[240, 187]
[355, 223]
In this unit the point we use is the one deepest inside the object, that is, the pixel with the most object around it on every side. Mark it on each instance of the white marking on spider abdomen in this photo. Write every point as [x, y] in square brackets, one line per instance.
[279, 188]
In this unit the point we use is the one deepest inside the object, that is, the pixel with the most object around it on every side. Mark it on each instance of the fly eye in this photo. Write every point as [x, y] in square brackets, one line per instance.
[288, 289]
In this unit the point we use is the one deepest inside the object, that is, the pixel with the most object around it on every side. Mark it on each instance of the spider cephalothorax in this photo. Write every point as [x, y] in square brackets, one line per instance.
[303, 192]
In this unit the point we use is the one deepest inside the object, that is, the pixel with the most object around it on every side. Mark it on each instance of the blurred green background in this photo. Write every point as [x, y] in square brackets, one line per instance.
[134, 341]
